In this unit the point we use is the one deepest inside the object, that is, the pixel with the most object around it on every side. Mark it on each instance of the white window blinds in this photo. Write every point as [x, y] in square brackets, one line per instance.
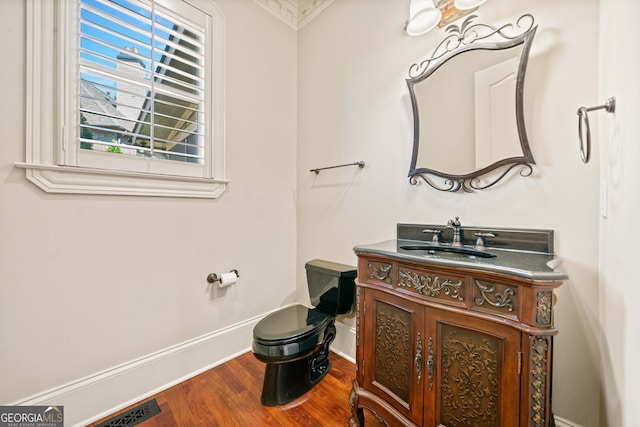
[142, 80]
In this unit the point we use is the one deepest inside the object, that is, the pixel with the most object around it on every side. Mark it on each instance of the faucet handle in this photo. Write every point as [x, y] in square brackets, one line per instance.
[481, 241]
[436, 235]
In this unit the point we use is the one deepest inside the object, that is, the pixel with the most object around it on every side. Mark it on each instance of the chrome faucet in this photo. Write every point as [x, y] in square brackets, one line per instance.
[457, 233]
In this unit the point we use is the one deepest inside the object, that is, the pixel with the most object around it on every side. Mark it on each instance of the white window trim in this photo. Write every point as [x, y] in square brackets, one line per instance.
[47, 95]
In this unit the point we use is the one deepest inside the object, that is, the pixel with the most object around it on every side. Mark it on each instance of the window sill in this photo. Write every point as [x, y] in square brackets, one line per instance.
[77, 180]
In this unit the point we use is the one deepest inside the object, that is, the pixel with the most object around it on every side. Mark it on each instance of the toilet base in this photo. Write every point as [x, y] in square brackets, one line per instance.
[286, 381]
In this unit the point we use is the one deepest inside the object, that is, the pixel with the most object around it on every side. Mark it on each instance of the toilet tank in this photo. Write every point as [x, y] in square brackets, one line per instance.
[332, 286]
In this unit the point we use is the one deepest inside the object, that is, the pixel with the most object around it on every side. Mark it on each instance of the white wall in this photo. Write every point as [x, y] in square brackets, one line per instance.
[91, 282]
[354, 105]
[619, 231]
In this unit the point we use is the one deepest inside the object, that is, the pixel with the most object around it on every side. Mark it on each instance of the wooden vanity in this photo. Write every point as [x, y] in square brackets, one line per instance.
[442, 344]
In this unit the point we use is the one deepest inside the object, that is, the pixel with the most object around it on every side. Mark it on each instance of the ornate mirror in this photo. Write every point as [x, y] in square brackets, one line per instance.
[467, 101]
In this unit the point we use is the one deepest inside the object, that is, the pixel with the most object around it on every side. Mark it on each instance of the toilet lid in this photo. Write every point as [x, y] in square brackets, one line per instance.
[291, 323]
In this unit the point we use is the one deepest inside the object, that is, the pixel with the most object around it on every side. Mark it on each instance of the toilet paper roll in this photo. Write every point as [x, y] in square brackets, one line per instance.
[227, 279]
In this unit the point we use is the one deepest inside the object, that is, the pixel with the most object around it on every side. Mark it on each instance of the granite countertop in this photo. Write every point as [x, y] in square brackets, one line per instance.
[530, 265]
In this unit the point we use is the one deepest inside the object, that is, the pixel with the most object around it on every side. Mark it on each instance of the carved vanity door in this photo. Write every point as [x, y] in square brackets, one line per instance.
[475, 381]
[394, 351]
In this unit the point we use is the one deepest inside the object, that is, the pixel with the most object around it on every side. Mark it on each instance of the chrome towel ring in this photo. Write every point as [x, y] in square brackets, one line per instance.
[584, 130]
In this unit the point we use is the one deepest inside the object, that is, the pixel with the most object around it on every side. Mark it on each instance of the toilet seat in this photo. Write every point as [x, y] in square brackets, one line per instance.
[291, 331]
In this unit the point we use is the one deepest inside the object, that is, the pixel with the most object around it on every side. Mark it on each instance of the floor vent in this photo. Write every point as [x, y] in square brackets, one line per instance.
[133, 416]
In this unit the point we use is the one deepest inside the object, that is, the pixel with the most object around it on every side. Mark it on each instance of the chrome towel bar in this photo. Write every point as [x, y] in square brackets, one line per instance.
[317, 170]
[584, 129]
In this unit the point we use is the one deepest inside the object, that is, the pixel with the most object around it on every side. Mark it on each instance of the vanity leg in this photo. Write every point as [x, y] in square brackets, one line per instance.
[357, 414]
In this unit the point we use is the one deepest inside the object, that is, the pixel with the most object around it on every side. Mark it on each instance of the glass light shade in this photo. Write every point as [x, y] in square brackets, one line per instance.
[467, 4]
[423, 16]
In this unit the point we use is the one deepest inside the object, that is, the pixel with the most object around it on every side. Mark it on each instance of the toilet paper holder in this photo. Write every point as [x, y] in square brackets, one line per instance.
[213, 277]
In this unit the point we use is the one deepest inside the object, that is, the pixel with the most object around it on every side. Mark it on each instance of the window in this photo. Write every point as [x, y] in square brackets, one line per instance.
[134, 104]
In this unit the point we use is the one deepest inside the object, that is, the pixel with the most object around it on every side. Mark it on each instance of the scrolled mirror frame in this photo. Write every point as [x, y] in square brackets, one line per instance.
[470, 36]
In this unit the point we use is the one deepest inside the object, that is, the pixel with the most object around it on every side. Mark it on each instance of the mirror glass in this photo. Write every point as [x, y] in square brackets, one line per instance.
[467, 105]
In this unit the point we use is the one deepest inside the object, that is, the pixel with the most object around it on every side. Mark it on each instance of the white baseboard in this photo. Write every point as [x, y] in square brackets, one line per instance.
[345, 342]
[97, 396]
[561, 422]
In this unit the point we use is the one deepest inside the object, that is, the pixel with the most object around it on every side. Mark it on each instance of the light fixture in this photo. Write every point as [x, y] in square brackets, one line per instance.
[467, 4]
[423, 16]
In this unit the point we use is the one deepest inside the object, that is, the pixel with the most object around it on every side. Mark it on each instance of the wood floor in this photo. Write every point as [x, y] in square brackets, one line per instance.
[229, 395]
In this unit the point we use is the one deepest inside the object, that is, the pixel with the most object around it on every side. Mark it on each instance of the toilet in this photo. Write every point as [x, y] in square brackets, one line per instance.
[294, 341]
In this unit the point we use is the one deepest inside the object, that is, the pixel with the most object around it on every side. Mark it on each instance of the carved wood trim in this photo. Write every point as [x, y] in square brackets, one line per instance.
[470, 380]
[544, 303]
[392, 350]
[539, 355]
[380, 271]
[375, 414]
[430, 285]
[357, 318]
[500, 299]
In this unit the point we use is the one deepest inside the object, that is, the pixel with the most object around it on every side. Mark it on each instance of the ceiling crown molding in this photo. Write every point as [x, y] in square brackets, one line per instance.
[295, 13]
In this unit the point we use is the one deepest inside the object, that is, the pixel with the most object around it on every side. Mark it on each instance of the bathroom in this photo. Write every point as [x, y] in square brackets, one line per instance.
[99, 289]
